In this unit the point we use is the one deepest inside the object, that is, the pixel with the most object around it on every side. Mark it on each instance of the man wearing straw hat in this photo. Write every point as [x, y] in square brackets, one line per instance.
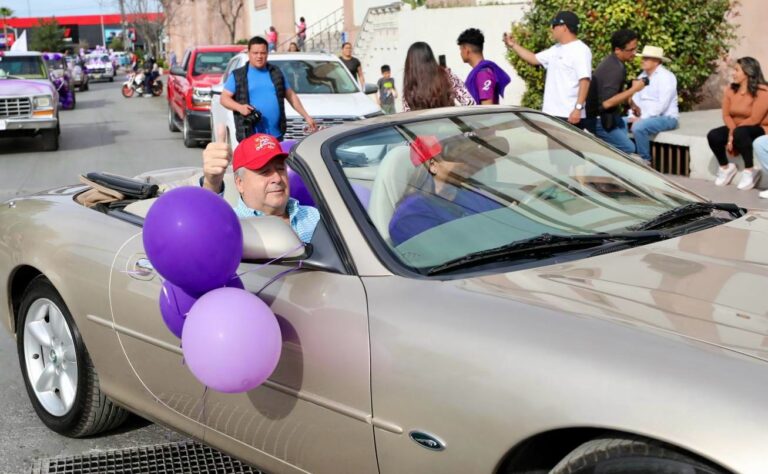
[653, 109]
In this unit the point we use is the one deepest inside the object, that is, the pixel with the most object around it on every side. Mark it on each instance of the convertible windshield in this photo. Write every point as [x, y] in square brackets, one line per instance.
[444, 189]
[317, 77]
[27, 67]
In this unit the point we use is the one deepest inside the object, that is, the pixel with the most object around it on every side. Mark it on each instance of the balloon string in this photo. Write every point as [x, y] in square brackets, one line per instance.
[271, 261]
[278, 276]
[202, 408]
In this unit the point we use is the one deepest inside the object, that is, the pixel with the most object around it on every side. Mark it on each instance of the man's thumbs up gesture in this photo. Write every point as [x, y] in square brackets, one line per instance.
[216, 158]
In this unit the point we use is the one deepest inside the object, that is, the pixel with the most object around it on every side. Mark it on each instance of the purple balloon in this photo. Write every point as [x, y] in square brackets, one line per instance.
[175, 303]
[287, 145]
[193, 238]
[298, 190]
[231, 340]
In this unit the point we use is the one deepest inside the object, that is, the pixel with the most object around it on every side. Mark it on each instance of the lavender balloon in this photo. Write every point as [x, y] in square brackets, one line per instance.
[193, 238]
[231, 340]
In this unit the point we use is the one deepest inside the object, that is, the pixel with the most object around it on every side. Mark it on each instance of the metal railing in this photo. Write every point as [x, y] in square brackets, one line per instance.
[320, 34]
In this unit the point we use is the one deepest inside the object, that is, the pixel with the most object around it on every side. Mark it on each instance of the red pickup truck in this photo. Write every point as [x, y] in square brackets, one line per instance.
[189, 90]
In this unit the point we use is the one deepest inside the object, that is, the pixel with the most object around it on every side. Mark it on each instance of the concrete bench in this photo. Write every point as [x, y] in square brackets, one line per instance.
[692, 133]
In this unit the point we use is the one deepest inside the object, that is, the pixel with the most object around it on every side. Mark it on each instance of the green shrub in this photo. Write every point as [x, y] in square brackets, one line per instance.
[48, 36]
[694, 34]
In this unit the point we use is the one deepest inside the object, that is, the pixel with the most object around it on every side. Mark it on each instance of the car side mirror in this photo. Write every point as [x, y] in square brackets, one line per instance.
[178, 71]
[370, 88]
[269, 237]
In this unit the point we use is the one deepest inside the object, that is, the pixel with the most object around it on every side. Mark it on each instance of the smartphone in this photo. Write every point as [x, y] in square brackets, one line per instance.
[441, 60]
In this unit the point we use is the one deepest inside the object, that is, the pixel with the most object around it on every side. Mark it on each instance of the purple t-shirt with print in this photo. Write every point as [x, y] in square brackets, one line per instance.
[486, 85]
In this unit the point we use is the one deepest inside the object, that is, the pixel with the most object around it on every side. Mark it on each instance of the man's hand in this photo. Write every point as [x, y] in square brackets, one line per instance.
[509, 41]
[636, 110]
[216, 158]
[244, 109]
[575, 117]
[311, 125]
[637, 85]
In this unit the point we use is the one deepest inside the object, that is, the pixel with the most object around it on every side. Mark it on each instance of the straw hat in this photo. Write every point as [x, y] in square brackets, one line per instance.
[654, 52]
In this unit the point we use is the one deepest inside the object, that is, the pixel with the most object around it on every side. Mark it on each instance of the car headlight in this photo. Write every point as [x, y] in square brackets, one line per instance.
[201, 95]
[43, 102]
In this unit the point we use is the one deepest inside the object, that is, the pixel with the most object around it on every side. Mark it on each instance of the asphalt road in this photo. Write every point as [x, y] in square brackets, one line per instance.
[104, 133]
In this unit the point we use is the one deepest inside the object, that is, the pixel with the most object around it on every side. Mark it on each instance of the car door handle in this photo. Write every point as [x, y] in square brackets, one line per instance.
[143, 267]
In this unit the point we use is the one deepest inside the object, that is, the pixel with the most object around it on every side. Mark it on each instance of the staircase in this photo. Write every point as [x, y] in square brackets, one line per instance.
[377, 41]
[324, 35]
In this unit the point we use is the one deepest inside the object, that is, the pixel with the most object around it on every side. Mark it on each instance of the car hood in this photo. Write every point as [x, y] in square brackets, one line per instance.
[334, 105]
[25, 87]
[711, 286]
[206, 80]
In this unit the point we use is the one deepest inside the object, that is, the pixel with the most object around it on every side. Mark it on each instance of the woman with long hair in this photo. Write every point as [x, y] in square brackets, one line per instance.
[745, 113]
[427, 85]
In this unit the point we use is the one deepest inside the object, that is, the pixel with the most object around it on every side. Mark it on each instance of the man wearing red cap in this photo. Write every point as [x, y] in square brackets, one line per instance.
[261, 178]
[439, 194]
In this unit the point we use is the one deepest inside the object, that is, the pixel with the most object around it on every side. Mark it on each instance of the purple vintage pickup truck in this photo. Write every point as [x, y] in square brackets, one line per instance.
[29, 103]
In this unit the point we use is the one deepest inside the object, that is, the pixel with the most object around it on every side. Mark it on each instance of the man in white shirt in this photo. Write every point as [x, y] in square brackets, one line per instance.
[569, 69]
[653, 109]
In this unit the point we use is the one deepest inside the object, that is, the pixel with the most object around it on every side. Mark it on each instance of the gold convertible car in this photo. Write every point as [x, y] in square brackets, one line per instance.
[488, 290]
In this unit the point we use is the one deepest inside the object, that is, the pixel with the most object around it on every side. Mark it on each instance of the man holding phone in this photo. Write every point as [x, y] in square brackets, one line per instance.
[569, 67]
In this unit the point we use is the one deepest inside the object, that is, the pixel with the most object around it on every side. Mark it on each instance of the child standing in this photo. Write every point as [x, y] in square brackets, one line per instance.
[272, 39]
[387, 92]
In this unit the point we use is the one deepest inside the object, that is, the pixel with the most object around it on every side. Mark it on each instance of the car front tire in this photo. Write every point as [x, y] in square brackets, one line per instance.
[630, 455]
[189, 142]
[50, 140]
[58, 373]
[172, 120]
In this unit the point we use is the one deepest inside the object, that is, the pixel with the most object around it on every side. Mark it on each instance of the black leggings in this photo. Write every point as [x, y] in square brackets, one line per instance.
[742, 142]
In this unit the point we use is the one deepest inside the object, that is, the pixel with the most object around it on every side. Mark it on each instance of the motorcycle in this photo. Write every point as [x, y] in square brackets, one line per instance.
[135, 85]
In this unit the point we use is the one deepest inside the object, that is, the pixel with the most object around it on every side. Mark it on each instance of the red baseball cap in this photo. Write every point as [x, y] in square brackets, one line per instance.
[256, 151]
[424, 148]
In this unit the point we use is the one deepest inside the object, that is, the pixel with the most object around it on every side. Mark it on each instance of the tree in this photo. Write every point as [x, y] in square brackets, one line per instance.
[148, 25]
[5, 12]
[230, 13]
[694, 33]
[48, 36]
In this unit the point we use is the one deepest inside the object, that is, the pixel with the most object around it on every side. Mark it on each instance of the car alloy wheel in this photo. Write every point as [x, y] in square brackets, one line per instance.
[49, 357]
[58, 373]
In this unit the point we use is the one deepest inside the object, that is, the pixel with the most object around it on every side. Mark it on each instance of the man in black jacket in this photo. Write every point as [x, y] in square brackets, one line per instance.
[261, 87]
[607, 93]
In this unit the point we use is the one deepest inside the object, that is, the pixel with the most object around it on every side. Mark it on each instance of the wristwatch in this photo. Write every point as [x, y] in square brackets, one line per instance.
[579, 106]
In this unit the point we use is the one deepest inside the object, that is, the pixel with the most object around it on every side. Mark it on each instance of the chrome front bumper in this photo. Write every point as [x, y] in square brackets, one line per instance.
[30, 123]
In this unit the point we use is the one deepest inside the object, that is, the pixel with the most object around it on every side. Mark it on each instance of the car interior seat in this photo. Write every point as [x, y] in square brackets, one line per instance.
[394, 174]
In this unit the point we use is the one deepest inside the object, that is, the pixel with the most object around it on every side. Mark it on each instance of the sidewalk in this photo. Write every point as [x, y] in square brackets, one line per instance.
[707, 188]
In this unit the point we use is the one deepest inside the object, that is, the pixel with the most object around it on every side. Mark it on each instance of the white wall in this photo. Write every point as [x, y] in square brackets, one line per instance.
[261, 20]
[440, 27]
[314, 10]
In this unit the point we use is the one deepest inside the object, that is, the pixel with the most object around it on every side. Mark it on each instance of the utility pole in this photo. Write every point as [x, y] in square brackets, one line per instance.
[126, 41]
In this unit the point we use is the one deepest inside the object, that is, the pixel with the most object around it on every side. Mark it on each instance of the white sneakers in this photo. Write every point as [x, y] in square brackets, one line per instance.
[724, 176]
[749, 179]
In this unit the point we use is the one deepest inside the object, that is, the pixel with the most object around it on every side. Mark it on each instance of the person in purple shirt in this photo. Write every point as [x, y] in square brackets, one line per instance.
[438, 194]
[487, 81]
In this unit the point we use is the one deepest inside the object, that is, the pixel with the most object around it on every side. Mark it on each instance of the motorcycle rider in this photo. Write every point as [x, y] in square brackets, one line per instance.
[151, 72]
